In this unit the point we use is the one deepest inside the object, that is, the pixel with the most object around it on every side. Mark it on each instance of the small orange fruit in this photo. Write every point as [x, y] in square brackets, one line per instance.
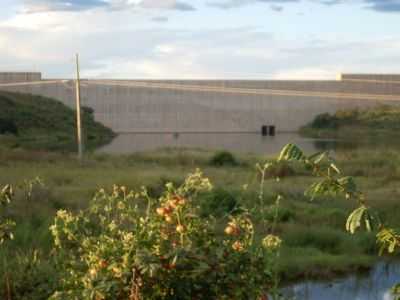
[232, 229]
[173, 203]
[93, 272]
[180, 229]
[229, 230]
[168, 210]
[160, 211]
[103, 264]
[237, 246]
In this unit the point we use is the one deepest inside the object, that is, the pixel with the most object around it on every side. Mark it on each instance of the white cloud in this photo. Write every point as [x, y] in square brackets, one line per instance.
[118, 44]
[327, 72]
[37, 6]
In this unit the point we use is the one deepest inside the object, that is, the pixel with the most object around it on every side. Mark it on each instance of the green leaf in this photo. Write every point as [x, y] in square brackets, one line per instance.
[335, 168]
[354, 220]
[317, 157]
[291, 152]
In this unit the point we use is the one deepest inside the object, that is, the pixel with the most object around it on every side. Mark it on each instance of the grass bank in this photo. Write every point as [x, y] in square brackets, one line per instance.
[377, 123]
[40, 123]
[315, 242]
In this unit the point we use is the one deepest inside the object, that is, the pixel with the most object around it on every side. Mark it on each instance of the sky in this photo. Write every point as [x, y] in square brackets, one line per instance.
[210, 39]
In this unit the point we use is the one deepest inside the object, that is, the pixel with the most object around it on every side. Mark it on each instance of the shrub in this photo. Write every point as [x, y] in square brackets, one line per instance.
[33, 276]
[115, 250]
[8, 126]
[276, 213]
[157, 188]
[325, 121]
[223, 158]
[348, 115]
[46, 124]
[280, 169]
[218, 202]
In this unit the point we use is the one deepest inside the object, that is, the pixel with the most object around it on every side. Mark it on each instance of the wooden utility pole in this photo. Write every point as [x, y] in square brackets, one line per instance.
[78, 111]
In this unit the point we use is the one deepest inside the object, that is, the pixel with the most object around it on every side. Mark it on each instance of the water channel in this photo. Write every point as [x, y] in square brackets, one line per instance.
[374, 285]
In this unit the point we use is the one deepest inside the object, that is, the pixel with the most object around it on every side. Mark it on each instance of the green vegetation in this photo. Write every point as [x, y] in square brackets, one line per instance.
[39, 123]
[223, 158]
[315, 243]
[219, 231]
[373, 122]
[128, 245]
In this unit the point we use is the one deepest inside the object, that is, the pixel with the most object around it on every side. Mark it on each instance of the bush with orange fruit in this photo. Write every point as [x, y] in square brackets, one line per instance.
[127, 245]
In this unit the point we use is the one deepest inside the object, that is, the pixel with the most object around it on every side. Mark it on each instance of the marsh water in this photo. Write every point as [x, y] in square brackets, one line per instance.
[375, 285]
[235, 142]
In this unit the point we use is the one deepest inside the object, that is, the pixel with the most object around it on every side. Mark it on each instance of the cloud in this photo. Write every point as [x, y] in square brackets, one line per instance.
[276, 8]
[329, 2]
[377, 5]
[166, 4]
[183, 6]
[112, 45]
[34, 6]
[160, 19]
[167, 53]
[228, 4]
[62, 5]
[307, 72]
[384, 5]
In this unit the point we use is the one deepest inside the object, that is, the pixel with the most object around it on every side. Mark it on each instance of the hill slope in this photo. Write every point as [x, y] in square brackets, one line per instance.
[37, 122]
[379, 121]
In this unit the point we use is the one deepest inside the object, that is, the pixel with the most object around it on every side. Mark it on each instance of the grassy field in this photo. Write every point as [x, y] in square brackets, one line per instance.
[315, 242]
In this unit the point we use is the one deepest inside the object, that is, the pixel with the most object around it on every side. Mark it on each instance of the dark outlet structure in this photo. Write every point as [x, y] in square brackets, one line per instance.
[264, 130]
[271, 130]
[268, 130]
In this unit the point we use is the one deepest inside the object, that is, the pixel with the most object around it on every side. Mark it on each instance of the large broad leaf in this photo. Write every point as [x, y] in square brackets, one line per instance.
[332, 187]
[291, 152]
[355, 219]
[321, 188]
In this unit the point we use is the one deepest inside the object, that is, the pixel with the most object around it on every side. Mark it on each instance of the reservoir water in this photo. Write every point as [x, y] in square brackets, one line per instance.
[235, 142]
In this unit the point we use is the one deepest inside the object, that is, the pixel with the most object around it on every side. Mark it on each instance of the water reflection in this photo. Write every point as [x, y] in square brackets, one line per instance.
[235, 142]
[374, 286]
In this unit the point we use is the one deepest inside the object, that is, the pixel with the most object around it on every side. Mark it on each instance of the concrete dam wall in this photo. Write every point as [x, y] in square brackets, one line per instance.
[214, 105]
[10, 77]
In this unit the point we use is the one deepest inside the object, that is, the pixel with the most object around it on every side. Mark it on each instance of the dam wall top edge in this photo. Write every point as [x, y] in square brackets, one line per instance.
[11, 77]
[370, 77]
